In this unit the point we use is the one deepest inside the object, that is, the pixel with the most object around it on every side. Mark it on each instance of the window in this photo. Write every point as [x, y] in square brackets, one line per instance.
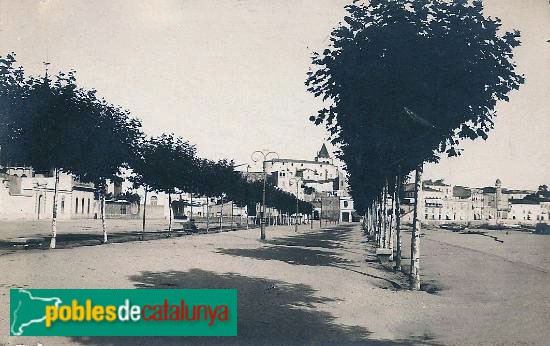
[76, 206]
[82, 209]
[345, 204]
[154, 200]
[62, 205]
[88, 206]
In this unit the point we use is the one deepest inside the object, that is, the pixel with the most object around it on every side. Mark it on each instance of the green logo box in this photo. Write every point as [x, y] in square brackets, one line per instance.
[123, 312]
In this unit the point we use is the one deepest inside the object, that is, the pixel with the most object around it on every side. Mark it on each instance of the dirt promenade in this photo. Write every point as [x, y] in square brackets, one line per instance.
[317, 286]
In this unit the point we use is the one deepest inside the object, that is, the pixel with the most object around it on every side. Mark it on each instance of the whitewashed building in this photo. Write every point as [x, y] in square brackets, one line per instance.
[28, 195]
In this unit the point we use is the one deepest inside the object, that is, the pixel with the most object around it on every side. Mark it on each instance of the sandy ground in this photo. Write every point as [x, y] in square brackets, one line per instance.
[317, 286]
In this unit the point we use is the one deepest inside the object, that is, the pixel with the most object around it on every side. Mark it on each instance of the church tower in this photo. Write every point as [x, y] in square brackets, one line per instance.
[323, 155]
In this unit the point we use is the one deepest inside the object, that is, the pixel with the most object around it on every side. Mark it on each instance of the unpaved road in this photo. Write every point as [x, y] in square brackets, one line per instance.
[317, 286]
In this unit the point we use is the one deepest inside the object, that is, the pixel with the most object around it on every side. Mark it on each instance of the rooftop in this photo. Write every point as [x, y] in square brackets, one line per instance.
[524, 201]
[300, 161]
[462, 192]
[323, 153]
[438, 182]
[489, 189]
[510, 191]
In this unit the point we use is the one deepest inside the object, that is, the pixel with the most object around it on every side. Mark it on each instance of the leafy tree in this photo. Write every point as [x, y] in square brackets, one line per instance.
[164, 163]
[14, 91]
[405, 81]
[108, 143]
[55, 125]
[44, 132]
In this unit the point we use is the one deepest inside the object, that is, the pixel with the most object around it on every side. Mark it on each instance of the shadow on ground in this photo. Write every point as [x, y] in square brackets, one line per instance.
[324, 238]
[74, 240]
[291, 255]
[270, 312]
[296, 249]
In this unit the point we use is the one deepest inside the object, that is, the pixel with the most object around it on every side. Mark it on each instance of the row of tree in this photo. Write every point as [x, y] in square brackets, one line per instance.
[405, 81]
[54, 125]
[169, 164]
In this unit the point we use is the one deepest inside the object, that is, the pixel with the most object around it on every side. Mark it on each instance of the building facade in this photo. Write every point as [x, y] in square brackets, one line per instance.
[28, 195]
[318, 179]
[442, 203]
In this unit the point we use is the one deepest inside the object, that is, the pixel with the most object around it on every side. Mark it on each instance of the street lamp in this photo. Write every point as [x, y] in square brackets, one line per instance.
[256, 156]
[297, 181]
[320, 200]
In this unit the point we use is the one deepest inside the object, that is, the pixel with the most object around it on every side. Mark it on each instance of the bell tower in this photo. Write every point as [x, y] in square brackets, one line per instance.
[323, 155]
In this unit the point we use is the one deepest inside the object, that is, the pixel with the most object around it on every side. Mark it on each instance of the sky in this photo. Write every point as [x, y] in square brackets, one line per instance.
[228, 75]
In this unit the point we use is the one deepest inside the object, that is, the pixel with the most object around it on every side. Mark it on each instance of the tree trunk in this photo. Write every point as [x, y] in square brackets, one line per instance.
[415, 235]
[398, 222]
[143, 223]
[385, 216]
[390, 228]
[375, 221]
[207, 214]
[221, 216]
[191, 218]
[246, 206]
[54, 210]
[370, 222]
[379, 222]
[366, 221]
[103, 225]
[169, 214]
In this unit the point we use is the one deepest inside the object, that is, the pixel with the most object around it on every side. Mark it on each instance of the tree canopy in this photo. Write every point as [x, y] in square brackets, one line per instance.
[55, 124]
[404, 81]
